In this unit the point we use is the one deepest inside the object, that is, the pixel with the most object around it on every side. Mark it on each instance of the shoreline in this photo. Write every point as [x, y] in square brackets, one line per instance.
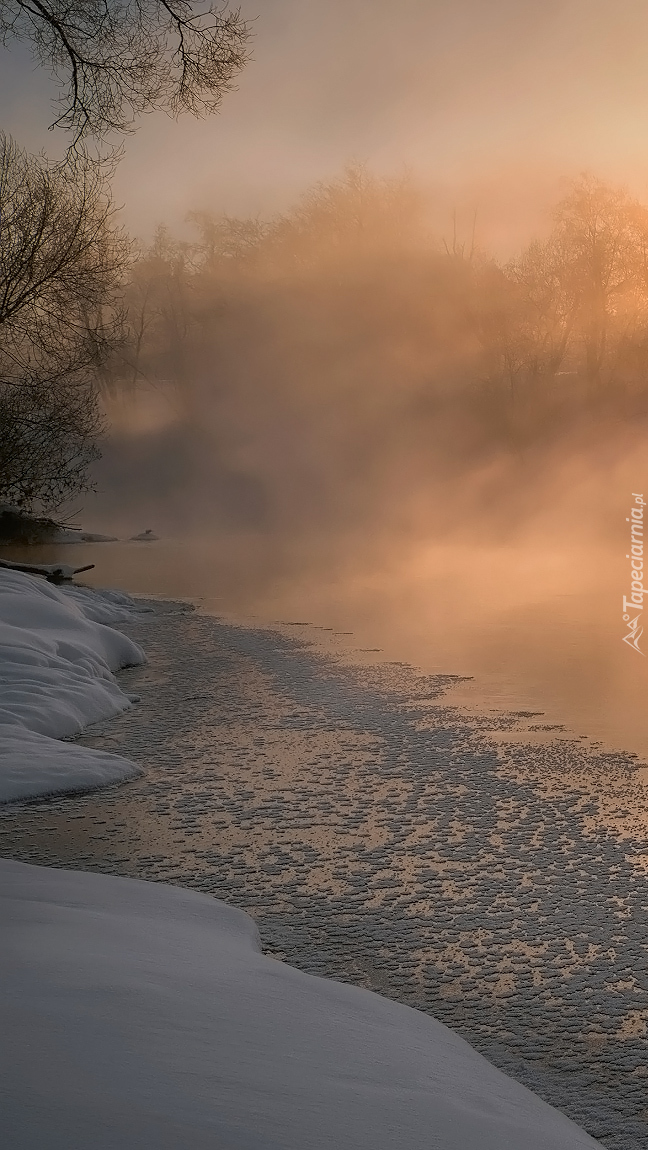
[560, 654]
[380, 840]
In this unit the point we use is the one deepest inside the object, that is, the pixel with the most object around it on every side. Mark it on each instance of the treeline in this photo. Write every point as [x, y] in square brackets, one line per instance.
[352, 285]
[342, 357]
[327, 360]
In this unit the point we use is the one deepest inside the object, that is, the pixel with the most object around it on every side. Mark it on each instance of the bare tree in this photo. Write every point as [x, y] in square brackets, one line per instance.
[61, 257]
[577, 302]
[61, 263]
[547, 302]
[156, 298]
[350, 217]
[116, 59]
[599, 234]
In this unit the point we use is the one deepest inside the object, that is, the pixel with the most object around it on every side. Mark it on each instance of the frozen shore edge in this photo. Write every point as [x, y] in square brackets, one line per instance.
[58, 655]
[143, 1016]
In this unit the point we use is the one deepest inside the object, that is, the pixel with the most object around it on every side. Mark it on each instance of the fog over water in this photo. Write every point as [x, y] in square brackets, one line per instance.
[350, 408]
[383, 397]
[534, 627]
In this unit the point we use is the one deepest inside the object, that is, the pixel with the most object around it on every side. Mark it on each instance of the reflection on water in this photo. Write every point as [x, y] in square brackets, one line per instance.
[378, 841]
[536, 629]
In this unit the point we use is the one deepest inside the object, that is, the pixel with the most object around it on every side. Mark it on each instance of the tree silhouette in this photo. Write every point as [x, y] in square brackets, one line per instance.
[61, 263]
[116, 59]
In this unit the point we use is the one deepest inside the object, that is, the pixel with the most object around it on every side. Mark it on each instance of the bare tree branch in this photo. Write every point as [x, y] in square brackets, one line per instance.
[61, 265]
[117, 59]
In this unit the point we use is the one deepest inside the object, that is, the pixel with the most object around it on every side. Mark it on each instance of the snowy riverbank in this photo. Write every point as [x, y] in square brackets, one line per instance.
[143, 1016]
[58, 653]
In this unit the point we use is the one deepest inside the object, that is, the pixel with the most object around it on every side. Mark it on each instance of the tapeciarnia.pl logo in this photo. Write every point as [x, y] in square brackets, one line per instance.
[635, 602]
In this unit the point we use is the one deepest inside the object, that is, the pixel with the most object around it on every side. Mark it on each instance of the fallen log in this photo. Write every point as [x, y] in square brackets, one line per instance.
[53, 572]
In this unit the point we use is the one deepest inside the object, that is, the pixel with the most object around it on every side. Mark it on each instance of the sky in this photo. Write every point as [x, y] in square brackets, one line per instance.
[497, 103]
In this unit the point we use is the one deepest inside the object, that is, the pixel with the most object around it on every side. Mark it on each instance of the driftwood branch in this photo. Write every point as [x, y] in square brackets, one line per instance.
[53, 572]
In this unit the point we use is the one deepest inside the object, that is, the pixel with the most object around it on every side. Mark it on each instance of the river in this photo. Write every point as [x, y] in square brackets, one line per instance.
[535, 628]
[475, 847]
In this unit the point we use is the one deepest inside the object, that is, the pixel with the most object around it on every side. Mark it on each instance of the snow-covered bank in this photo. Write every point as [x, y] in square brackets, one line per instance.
[57, 655]
[143, 1016]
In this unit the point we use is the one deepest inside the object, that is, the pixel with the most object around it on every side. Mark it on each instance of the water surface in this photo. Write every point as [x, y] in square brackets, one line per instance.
[535, 628]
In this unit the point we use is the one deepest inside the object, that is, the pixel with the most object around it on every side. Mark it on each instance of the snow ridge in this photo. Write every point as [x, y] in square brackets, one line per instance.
[144, 1017]
[58, 652]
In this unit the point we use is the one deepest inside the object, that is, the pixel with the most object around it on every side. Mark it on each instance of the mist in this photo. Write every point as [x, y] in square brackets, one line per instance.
[354, 412]
[495, 104]
[369, 409]
[362, 364]
[381, 387]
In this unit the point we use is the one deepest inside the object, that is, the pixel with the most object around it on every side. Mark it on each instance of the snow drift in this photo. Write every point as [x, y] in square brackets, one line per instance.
[57, 655]
[137, 1015]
